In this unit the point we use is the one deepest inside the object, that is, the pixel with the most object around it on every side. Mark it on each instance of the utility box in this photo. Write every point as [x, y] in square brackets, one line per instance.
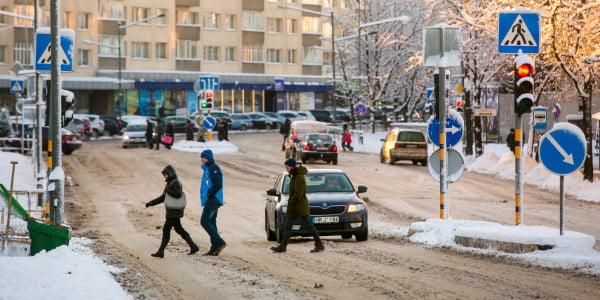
[46, 236]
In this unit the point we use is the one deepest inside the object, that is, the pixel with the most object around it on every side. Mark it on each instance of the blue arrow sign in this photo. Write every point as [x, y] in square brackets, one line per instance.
[454, 130]
[209, 82]
[17, 86]
[209, 122]
[519, 30]
[43, 56]
[360, 109]
[562, 149]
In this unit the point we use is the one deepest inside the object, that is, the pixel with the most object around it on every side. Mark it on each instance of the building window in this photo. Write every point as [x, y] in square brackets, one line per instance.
[253, 20]
[311, 24]
[315, 2]
[140, 13]
[23, 53]
[212, 21]
[292, 26]
[230, 22]
[24, 10]
[83, 57]
[68, 20]
[83, 21]
[274, 25]
[211, 53]
[252, 53]
[186, 17]
[187, 49]
[111, 9]
[2, 54]
[113, 42]
[291, 56]
[161, 20]
[161, 50]
[139, 50]
[274, 56]
[327, 29]
[230, 54]
[312, 55]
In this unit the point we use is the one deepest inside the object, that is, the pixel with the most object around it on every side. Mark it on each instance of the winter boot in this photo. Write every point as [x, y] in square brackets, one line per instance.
[158, 253]
[280, 248]
[193, 247]
[318, 248]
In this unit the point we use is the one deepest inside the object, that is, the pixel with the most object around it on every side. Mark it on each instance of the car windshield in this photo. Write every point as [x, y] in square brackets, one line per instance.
[322, 183]
[136, 127]
[239, 117]
[319, 138]
[410, 137]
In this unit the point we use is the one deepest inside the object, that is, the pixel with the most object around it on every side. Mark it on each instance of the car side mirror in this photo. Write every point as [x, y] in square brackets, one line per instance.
[362, 189]
[272, 192]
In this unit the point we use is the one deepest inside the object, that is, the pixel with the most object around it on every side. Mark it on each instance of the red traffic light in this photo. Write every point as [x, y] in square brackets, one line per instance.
[525, 70]
[209, 94]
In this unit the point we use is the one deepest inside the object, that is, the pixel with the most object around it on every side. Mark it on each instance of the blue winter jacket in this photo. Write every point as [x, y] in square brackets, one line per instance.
[212, 182]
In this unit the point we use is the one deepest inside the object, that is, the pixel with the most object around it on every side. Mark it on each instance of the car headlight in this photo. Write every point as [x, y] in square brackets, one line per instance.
[125, 137]
[355, 208]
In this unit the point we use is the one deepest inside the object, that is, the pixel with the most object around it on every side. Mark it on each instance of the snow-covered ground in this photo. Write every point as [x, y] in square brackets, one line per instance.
[74, 272]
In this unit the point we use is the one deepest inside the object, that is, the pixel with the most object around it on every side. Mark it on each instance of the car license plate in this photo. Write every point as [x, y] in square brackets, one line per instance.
[322, 148]
[411, 146]
[325, 220]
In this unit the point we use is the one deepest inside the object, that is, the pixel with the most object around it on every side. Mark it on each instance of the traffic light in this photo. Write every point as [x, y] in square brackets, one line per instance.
[208, 99]
[524, 69]
[67, 99]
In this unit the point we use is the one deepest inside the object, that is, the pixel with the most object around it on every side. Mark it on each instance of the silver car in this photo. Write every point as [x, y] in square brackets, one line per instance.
[135, 133]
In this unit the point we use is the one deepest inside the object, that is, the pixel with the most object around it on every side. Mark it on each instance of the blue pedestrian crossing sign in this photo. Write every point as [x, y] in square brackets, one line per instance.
[43, 53]
[209, 122]
[17, 86]
[519, 30]
[562, 149]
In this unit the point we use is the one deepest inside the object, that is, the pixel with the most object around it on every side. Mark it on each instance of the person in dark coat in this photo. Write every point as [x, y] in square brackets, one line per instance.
[158, 134]
[222, 131]
[149, 133]
[510, 140]
[211, 198]
[170, 131]
[298, 209]
[189, 131]
[173, 216]
[285, 131]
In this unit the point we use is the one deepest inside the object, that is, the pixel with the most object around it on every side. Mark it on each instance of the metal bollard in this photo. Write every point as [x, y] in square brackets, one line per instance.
[360, 138]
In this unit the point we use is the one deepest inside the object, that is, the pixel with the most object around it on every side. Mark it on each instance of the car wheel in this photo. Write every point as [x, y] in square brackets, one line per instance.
[270, 234]
[392, 161]
[424, 162]
[414, 162]
[243, 128]
[95, 133]
[381, 157]
[67, 152]
[362, 235]
[334, 161]
[346, 235]
[124, 146]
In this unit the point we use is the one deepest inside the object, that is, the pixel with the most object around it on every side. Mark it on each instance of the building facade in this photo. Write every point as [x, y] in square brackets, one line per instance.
[153, 51]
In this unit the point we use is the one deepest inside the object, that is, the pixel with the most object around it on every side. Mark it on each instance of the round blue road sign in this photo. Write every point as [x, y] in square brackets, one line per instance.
[360, 109]
[209, 122]
[562, 149]
[454, 129]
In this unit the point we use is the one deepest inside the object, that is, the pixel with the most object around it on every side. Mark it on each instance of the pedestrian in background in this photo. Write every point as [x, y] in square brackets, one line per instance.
[211, 198]
[173, 216]
[201, 130]
[298, 209]
[189, 130]
[149, 133]
[222, 130]
[158, 134]
[510, 140]
[346, 138]
[170, 132]
[285, 132]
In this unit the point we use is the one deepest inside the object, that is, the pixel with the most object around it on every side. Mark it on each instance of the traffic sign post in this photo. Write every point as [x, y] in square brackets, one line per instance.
[562, 152]
[43, 55]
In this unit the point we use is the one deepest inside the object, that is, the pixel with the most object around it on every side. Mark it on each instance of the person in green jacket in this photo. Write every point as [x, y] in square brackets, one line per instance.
[298, 208]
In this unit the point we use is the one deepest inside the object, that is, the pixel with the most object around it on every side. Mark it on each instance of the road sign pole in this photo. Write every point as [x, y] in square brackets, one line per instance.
[518, 171]
[562, 204]
[441, 95]
[209, 131]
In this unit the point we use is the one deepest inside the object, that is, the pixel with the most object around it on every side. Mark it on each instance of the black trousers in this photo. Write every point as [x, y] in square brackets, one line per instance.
[171, 223]
[306, 223]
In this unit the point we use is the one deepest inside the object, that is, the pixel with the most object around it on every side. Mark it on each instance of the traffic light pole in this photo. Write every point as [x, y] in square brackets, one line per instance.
[441, 115]
[518, 171]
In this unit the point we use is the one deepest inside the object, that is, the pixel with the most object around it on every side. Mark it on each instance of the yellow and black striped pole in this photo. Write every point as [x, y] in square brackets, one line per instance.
[518, 183]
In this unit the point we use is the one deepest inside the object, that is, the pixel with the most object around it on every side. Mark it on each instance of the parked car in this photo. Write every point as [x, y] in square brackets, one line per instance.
[404, 144]
[96, 122]
[81, 126]
[261, 121]
[70, 141]
[342, 116]
[241, 122]
[180, 123]
[307, 115]
[217, 114]
[280, 119]
[317, 146]
[134, 133]
[323, 115]
[335, 206]
[292, 115]
[112, 125]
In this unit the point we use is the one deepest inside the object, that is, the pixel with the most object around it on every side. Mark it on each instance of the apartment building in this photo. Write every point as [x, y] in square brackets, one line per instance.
[248, 44]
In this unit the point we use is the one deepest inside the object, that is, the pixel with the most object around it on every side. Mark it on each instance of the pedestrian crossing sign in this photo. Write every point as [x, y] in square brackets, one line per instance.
[17, 86]
[43, 50]
[519, 31]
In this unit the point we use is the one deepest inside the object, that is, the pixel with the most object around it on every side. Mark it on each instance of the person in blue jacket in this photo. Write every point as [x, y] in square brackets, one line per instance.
[211, 198]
